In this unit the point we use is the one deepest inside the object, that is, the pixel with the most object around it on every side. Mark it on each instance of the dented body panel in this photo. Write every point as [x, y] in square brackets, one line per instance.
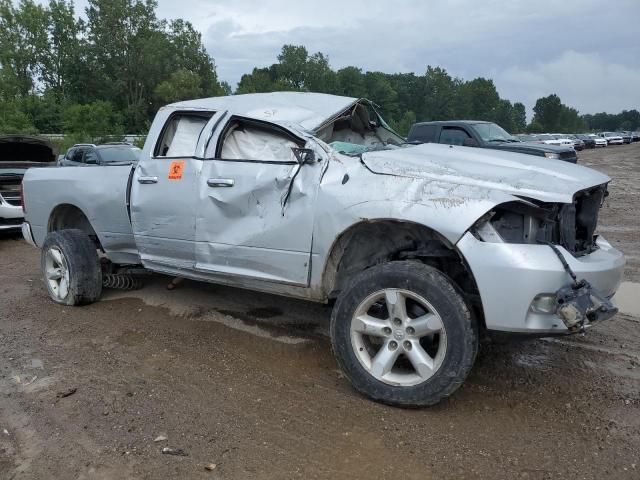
[282, 222]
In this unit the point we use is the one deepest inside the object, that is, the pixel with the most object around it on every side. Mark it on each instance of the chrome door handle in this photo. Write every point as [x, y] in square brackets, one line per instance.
[221, 182]
[147, 180]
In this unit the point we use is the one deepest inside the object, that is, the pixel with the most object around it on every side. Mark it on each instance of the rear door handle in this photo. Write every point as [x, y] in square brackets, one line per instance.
[147, 180]
[221, 182]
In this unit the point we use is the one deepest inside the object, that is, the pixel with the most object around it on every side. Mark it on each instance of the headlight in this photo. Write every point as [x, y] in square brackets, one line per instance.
[516, 222]
[551, 155]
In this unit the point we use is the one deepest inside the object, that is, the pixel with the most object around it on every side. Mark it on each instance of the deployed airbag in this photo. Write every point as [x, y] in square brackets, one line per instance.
[245, 143]
[185, 137]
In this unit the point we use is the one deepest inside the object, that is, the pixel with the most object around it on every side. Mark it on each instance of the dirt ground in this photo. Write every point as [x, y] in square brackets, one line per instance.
[247, 382]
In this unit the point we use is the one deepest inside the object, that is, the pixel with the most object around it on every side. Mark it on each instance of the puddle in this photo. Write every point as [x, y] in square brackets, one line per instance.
[627, 298]
[198, 303]
[230, 319]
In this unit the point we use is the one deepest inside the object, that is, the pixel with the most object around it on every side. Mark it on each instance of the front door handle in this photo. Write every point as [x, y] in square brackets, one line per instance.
[147, 180]
[221, 182]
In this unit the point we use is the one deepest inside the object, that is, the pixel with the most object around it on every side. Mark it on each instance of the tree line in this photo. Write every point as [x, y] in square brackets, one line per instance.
[108, 73]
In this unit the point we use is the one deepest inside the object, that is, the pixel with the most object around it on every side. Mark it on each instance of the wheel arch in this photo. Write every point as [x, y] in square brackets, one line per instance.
[371, 242]
[68, 216]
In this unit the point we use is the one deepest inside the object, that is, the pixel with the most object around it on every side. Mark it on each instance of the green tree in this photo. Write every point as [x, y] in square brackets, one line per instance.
[480, 99]
[62, 59]
[350, 83]
[504, 115]
[535, 127]
[14, 120]
[379, 90]
[92, 120]
[258, 81]
[440, 98]
[404, 124]
[519, 117]
[292, 66]
[181, 85]
[547, 112]
[23, 41]
[570, 120]
[319, 77]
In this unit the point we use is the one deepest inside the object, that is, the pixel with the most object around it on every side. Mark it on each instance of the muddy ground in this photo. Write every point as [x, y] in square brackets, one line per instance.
[247, 382]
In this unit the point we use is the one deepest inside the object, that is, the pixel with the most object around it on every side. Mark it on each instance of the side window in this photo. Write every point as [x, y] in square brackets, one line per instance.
[69, 155]
[180, 135]
[90, 157]
[453, 136]
[247, 141]
[423, 133]
[77, 155]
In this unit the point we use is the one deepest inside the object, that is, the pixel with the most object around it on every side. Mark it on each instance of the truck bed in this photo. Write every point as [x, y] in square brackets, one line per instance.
[100, 192]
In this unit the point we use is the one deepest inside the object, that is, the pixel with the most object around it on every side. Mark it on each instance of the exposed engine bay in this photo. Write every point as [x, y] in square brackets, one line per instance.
[571, 225]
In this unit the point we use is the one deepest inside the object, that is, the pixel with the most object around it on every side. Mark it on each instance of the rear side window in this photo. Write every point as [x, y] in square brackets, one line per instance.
[180, 135]
[453, 136]
[423, 133]
[77, 155]
[90, 157]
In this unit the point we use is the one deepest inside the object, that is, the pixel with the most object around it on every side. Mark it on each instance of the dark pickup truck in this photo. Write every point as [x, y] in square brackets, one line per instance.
[475, 133]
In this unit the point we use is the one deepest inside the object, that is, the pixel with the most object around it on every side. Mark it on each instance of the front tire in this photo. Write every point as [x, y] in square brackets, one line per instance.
[403, 335]
[71, 267]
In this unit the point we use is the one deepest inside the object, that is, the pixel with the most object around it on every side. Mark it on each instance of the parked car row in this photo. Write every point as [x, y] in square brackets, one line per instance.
[580, 141]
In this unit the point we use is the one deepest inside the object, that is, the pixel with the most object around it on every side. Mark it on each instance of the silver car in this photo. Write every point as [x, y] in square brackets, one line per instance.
[419, 248]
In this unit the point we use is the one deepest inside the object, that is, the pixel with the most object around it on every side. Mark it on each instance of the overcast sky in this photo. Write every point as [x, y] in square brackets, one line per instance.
[586, 51]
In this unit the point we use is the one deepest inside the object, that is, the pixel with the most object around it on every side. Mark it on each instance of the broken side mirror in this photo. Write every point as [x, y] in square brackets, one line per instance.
[304, 155]
[470, 142]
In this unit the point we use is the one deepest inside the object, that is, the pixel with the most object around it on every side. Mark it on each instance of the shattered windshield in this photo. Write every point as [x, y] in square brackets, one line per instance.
[491, 132]
[358, 130]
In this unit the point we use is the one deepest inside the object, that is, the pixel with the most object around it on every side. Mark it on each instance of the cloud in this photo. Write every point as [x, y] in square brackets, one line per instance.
[586, 51]
[587, 54]
[587, 81]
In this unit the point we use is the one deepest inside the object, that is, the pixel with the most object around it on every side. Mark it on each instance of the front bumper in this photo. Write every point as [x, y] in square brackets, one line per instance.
[510, 276]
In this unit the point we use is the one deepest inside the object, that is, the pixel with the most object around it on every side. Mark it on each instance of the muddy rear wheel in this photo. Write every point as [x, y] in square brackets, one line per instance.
[71, 267]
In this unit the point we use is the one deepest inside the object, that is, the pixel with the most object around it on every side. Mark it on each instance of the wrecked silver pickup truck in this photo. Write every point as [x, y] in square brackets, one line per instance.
[420, 248]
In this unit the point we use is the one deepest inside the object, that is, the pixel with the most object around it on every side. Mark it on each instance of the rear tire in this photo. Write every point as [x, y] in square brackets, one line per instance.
[71, 267]
[413, 355]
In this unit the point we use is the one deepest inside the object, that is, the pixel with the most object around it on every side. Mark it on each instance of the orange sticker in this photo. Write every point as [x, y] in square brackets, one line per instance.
[175, 170]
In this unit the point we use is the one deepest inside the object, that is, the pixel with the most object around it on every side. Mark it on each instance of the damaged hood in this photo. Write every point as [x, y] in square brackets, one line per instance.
[518, 174]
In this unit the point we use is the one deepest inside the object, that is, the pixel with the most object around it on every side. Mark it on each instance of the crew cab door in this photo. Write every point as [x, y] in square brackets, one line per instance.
[256, 204]
[163, 197]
